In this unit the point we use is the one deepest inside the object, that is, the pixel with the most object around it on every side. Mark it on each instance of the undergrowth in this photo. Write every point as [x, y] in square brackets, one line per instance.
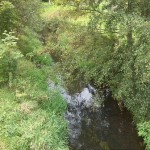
[31, 117]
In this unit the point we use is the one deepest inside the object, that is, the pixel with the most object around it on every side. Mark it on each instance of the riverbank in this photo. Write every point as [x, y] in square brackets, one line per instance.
[96, 52]
[31, 117]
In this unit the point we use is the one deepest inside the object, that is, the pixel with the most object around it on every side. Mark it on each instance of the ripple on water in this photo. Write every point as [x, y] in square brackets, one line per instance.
[102, 128]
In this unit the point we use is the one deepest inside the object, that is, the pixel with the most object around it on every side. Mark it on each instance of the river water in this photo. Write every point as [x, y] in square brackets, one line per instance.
[96, 123]
[101, 126]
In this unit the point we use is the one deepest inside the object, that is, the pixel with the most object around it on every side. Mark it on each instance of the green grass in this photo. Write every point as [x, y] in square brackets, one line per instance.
[49, 11]
[67, 12]
[30, 116]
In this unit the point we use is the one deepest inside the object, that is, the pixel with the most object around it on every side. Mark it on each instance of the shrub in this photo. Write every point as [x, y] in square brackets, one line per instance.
[144, 131]
[8, 16]
[29, 43]
[9, 56]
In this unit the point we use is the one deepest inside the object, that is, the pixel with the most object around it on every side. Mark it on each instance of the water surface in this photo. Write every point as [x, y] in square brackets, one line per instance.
[100, 128]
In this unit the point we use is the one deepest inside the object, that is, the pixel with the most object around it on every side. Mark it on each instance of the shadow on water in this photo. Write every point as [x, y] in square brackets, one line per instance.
[98, 127]
[103, 128]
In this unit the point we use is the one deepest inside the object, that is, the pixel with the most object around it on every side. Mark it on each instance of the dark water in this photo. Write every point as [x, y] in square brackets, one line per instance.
[98, 127]
[101, 128]
[107, 129]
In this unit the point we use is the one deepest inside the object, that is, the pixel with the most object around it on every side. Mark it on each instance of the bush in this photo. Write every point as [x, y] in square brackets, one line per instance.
[9, 56]
[8, 16]
[144, 131]
[43, 59]
[29, 43]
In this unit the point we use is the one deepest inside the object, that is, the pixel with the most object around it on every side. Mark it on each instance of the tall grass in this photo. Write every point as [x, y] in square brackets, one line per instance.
[67, 12]
[30, 118]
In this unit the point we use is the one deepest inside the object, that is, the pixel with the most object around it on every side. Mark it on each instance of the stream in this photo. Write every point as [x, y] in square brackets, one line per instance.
[98, 124]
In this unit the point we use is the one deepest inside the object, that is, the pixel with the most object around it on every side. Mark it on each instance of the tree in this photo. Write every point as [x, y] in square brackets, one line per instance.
[114, 48]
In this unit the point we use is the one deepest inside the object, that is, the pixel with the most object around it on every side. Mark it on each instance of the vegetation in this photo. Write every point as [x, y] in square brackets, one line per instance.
[93, 41]
[31, 116]
[113, 48]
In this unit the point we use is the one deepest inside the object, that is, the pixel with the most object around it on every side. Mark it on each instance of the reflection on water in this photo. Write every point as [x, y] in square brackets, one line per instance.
[104, 128]
[98, 127]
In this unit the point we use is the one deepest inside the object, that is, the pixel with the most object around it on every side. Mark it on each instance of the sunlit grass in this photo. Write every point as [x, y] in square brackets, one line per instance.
[66, 12]
[52, 10]
[30, 118]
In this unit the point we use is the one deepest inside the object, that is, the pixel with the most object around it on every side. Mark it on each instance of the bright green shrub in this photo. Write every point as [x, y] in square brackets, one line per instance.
[144, 131]
[43, 59]
[9, 56]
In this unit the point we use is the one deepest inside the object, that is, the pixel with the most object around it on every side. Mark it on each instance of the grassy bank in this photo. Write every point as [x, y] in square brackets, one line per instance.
[31, 117]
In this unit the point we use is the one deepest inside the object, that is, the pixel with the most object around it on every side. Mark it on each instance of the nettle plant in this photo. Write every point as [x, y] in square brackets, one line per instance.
[9, 54]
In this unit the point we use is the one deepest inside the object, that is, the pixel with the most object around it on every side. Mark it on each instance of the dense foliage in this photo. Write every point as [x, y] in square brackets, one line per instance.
[9, 55]
[19, 22]
[103, 41]
[31, 117]
[113, 49]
